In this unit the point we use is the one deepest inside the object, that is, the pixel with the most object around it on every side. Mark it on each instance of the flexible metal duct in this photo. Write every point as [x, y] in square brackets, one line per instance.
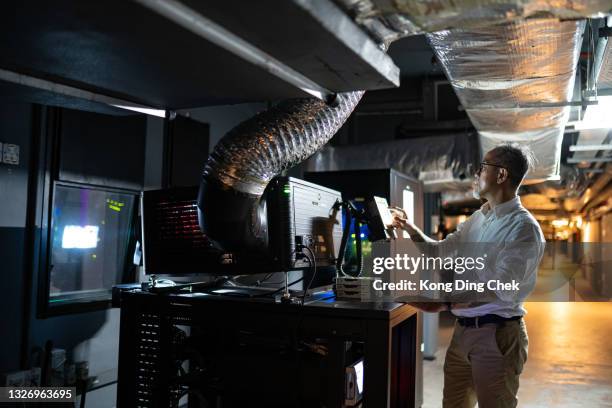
[231, 209]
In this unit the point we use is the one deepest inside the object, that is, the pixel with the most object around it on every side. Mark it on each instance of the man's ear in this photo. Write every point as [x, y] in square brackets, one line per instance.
[502, 175]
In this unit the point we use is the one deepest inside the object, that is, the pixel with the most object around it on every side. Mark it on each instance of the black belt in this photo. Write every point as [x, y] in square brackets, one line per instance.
[489, 318]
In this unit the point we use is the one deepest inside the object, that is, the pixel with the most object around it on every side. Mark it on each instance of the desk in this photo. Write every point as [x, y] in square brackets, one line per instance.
[387, 335]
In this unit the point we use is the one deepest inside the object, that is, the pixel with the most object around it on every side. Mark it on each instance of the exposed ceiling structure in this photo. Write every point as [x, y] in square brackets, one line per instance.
[512, 64]
[171, 55]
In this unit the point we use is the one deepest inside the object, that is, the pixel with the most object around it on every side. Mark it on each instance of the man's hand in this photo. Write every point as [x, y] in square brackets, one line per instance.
[404, 224]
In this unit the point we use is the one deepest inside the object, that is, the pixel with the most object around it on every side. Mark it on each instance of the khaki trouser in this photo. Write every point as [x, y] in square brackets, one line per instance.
[483, 365]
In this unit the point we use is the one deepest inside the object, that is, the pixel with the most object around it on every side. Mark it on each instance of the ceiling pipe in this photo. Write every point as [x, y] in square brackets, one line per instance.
[591, 194]
[600, 198]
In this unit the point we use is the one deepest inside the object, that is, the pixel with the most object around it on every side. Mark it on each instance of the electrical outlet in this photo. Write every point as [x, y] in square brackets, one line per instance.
[10, 154]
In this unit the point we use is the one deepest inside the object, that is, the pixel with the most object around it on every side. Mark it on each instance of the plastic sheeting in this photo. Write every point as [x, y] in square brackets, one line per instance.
[497, 70]
[446, 162]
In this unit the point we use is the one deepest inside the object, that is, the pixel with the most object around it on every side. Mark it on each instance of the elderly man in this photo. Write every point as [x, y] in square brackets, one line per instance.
[489, 344]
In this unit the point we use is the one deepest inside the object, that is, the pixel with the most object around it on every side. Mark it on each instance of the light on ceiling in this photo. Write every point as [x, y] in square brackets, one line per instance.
[597, 116]
[563, 222]
[160, 113]
[577, 221]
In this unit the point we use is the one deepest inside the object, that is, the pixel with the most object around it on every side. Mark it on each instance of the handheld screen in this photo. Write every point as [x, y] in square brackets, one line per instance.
[383, 210]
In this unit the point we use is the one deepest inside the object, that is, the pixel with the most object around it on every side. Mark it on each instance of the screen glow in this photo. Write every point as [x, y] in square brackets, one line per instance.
[82, 237]
[359, 375]
[408, 206]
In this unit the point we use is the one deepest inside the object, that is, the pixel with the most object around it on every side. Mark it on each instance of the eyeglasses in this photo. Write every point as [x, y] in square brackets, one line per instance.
[482, 164]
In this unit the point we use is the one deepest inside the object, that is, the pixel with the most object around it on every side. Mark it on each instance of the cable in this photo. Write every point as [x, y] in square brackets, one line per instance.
[280, 289]
[313, 266]
[351, 214]
[358, 252]
[268, 276]
[345, 234]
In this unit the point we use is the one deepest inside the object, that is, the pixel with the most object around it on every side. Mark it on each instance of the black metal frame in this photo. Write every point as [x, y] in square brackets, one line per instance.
[44, 173]
[77, 305]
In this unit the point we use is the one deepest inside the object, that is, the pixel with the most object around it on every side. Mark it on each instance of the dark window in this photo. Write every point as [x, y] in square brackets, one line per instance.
[90, 235]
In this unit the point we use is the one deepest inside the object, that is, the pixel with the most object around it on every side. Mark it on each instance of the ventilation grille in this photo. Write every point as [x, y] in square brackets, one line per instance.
[147, 359]
[178, 226]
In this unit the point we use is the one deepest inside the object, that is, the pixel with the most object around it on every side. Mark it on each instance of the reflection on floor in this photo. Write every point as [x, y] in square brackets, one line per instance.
[570, 357]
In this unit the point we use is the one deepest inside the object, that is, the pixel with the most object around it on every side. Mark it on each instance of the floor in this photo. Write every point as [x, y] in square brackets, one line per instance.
[570, 357]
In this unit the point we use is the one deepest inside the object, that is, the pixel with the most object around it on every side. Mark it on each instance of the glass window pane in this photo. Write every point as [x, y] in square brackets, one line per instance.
[89, 242]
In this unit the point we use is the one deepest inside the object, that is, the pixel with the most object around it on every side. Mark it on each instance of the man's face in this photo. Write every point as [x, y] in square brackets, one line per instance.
[485, 180]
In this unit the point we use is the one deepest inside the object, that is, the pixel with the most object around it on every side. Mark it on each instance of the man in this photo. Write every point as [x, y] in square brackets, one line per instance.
[489, 344]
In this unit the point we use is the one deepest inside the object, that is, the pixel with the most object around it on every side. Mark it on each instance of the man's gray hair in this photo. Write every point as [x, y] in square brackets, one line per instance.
[517, 158]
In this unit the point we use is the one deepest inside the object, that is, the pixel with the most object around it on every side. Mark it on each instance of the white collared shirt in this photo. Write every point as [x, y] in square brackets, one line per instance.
[520, 242]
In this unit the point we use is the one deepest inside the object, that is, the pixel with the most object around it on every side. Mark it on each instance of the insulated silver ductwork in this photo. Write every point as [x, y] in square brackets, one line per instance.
[441, 163]
[232, 211]
[389, 20]
[512, 63]
[512, 79]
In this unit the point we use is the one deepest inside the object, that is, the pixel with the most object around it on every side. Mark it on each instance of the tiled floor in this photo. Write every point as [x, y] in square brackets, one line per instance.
[570, 357]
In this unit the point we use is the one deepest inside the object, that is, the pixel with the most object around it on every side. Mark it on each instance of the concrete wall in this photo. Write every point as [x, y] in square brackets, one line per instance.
[15, 128]
[223, 118]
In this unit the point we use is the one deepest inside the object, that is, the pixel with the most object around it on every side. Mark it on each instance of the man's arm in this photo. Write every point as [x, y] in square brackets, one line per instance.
[418, 236]
[415, 232]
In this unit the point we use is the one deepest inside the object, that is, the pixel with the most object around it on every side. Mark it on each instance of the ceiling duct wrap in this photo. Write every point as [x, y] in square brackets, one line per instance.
[512, 63]
[441, 163]
[388, 20]
[511, 77]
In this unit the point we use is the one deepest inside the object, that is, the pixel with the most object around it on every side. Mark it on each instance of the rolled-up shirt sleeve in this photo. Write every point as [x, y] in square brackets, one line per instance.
[517, 262]
[448, 246]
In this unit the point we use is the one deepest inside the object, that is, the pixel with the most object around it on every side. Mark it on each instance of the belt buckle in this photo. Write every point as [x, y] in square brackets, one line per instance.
[476, 321]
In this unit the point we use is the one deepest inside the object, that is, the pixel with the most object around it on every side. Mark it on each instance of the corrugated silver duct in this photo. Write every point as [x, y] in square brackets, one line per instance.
[242, 164]
[498, 70]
